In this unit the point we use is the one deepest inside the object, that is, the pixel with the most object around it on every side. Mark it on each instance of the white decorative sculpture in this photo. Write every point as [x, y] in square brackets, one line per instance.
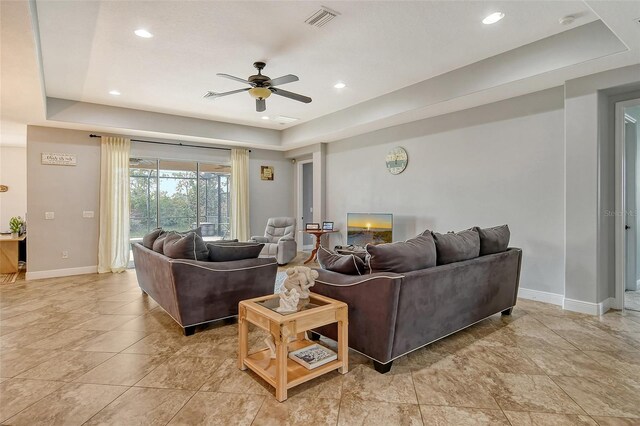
[288, 301]
[300, 278]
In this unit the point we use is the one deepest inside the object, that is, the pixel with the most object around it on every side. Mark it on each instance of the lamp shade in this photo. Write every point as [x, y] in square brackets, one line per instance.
[259, 92]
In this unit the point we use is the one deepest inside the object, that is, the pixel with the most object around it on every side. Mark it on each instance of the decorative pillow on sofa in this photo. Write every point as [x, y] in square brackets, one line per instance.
[189, 246]
[158, 240]
[457, 246]
[158, 244]
[411, 255]
[493, 240]
[227, 251]
[151, 237]
[348, 264]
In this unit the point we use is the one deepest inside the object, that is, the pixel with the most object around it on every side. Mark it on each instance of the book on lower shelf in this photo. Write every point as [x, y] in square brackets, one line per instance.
[313, 356]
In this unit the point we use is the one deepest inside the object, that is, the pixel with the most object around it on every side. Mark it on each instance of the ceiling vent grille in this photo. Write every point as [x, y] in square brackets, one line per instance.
[321, 17]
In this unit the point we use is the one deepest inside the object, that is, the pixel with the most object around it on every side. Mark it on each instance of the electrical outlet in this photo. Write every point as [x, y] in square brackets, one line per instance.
[87, 213]
[49, 215]
[65, 254]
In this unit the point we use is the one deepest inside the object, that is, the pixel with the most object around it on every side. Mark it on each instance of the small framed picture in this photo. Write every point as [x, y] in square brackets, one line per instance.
[327, 226]
[266, 172]
[312, 227]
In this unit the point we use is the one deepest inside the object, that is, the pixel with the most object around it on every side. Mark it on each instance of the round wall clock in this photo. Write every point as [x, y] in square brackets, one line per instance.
[397, 160]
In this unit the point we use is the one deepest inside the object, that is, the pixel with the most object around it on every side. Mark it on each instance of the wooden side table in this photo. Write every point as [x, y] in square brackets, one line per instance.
[318, 234]
[9, 253]
[282, 372]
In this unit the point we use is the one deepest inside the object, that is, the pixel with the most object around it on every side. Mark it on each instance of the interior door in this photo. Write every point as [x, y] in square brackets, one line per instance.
[307, 201]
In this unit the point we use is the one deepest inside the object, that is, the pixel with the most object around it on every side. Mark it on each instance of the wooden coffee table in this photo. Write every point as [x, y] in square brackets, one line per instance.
[282, 372]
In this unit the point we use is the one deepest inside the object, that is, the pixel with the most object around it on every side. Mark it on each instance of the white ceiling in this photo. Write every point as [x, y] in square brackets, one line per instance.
[89, 48]
[441, 37]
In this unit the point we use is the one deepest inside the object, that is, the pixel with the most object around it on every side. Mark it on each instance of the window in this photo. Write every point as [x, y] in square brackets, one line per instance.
[179, 195]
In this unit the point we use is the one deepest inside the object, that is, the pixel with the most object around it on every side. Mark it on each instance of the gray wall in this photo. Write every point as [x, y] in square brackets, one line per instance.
[590, 183]
[269, 198]
[495, 164]
[68, 191]
[13, 173]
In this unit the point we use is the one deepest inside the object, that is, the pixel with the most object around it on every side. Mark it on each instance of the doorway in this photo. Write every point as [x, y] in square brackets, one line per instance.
[627, 219]
[305, 202]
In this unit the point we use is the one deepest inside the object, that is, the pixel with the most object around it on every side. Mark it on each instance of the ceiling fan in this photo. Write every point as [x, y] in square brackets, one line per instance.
[262, 87]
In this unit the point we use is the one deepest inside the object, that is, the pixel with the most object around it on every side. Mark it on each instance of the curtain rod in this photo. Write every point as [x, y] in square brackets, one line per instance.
[170, 143]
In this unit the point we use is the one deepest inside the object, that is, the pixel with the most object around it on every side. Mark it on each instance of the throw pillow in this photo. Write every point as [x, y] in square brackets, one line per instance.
[151, 237]
[189, 246]
[348, 264]
[456, 247]
[228, 251]
[158, 244]
[411, 255]
[493, 240]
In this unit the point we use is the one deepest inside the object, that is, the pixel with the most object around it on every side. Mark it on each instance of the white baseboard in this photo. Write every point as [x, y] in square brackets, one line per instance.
[53, 273]
[541, 296]
[588, 307]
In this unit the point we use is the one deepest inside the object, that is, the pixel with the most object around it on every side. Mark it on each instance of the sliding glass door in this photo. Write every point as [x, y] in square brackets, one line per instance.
[179, 196]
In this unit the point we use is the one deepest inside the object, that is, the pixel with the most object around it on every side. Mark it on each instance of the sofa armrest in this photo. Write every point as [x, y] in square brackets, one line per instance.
[210, 290]
[259, 239]
[373, 308]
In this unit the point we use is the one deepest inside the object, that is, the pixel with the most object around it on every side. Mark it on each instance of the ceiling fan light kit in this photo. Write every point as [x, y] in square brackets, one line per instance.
[262, 87]
[259, 92]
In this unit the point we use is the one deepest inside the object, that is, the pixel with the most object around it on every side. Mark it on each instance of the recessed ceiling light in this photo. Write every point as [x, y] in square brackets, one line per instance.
[114, 93]
[265, 117]
[143, 33]
[339, 85]
[493, 18]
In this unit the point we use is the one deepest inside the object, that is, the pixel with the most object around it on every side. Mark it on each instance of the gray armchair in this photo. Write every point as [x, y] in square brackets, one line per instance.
[279, 239]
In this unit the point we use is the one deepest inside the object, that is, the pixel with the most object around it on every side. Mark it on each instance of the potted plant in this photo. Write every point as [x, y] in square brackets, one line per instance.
[15, 224]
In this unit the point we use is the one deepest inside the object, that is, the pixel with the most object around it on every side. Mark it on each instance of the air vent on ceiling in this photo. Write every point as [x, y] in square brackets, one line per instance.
[321, 17]
[285, 120]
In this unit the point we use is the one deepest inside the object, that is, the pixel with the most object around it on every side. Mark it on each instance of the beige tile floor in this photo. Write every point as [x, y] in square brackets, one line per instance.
[93, 350]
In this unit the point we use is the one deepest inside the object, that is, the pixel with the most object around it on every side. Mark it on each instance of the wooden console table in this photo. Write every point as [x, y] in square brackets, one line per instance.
[318, 234]
[284, 373]
[9, 253]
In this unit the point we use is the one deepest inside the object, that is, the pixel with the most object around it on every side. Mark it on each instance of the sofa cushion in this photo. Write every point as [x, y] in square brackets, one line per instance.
[158, 244]
[411, 255]
[493, 240]
[224, 241]
[348, 264]
[228, 251]
[151, 237]
[158, 240]
[189, 246]
[456, 247]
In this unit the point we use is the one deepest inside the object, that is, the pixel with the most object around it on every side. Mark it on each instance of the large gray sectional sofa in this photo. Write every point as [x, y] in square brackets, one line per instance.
[394, 313]
[195, 292]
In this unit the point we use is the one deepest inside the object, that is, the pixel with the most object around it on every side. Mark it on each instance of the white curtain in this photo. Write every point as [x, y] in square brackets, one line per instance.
[113, 246]
[240, 194]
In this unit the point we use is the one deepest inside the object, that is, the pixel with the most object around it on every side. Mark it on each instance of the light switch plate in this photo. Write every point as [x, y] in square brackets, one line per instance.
[87, 213]
[49, 215]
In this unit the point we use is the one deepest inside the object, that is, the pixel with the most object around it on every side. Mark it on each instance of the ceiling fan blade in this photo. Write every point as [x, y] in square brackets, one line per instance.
[261, 105]
[230, 77]
[290, 95]
[289, 78]
[214, 95]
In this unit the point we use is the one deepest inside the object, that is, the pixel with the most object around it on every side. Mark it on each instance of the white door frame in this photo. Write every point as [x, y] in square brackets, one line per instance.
[299, 207]
[621, 208]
